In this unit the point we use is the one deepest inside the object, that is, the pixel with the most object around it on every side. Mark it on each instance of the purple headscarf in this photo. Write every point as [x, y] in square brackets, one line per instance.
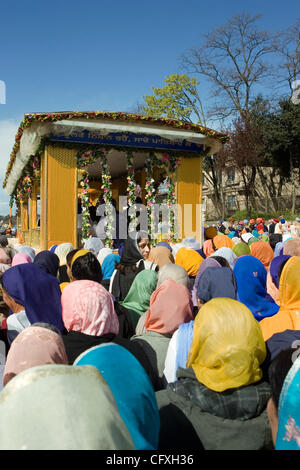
[48, 261]
[275, 266]
[207, 263]
[166, 244]
[37, 291]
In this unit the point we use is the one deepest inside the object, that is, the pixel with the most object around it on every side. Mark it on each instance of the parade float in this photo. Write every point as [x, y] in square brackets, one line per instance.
[59, 158]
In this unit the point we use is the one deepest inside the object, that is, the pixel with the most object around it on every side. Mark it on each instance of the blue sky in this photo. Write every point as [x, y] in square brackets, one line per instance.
[95, 55]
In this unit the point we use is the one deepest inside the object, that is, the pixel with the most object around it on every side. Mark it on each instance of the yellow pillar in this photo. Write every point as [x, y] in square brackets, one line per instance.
[59, 197]
[189, 197]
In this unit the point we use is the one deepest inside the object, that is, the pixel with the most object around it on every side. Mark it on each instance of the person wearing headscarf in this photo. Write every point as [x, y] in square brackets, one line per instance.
[228, 254]
[222, 241]
[274, 239]
[190, 260]
[103, 253]
[278, 249]
[285, 421]
[262, 251]
[3, 241]
[191, 242]
[47, 261]
[210, 233]
[137, 301]
[251, 278]
[175, 272]
[61, 251]
[208, 248]
[170, 305]
[39, 405]
[33, 296]
[207, 263]
[108, 267]
[28, 250]
[166, 244]
[90, 319]
[135, 397]
[222, 387]
[292, 247]
[52, 248]
[241, 249]
[84, 265]
[246, 237]
[161, 255]
[133, 260]
[21, 258]
[287, 317]
[34, 346]
[213, 281]
[4, 257]
[94, 244]
[252, 240]
[273, 276]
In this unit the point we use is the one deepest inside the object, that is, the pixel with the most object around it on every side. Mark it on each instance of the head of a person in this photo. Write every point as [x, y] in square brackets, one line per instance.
[228, 347]
[4, 256]
[84, 265]
[47, 261]
[222, 261]
[11, 301]
[94, 244]
[20, 258]
[69, 258]
[274, 238]
[143, 243]
[35, 346]
[278, 373]
[292, 247]
[170, 306]
[216, 282]
[87, 307]
[174, 272]
[62, 250]
[190, 260]
[289, 286]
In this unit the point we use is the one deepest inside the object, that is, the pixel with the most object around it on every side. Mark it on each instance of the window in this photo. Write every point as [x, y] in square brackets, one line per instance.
[231, 201]
[231, 176]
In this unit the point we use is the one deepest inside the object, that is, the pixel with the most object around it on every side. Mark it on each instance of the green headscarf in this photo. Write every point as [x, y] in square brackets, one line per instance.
[252, 240]
[265, 238]
[241, 249]
[137, 301]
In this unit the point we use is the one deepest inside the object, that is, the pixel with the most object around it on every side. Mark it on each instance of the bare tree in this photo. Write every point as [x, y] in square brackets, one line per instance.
[287, 46]
[233, 58]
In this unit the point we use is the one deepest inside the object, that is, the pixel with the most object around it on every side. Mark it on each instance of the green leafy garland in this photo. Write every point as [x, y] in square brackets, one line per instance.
[31, 173]
[131, 190]
[107, 196]
[150, 194]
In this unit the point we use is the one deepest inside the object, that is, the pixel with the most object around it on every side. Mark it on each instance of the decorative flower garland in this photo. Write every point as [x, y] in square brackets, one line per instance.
[31, 173]
[131, 191]
[107, 196]
[150, 194]
[54, 117]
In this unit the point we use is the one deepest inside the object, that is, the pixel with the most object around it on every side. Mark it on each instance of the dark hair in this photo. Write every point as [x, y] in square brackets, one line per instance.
[278, 371]
[274, 238]
[223, 262]
[87, 267]
[281, 268]
[69, 256]
[142, 235]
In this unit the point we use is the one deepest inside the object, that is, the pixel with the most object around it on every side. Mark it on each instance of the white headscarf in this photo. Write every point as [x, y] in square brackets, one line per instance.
[94, 244]
[228, 254]
[103, 253]
[246, 237]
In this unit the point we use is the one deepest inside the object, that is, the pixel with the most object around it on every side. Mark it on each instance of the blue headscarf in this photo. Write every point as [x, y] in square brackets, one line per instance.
[132, 391]
[216, 282]
[184, 342]
[251, 278]
[278, 249]
[255, 234]
[48, 261]
[166, 244]
[52, 248]
[108, 265]
[37, 291]
[288, 434]
[27, 250]
[231, 234]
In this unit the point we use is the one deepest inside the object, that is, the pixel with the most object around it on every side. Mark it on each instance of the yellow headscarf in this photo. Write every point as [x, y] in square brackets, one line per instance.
[227, 347]
[189, 259]
[288, 316]
[78, 254]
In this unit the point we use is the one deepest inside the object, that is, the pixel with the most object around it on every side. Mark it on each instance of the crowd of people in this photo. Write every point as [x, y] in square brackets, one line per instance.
[167, 346]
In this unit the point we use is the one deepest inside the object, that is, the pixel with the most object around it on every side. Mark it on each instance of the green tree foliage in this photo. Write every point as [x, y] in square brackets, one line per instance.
[178, 99]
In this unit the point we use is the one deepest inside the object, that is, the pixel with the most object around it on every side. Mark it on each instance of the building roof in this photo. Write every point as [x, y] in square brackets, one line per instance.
[36, 126]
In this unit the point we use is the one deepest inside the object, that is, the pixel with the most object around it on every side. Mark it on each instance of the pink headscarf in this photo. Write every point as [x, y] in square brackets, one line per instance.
[208, 248]
[88, 307]
[34, 346]
[170, 306]
[21, 258]
[4, 257]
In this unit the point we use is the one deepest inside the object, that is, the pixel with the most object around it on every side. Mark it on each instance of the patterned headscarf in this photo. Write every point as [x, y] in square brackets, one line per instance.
[88, 307]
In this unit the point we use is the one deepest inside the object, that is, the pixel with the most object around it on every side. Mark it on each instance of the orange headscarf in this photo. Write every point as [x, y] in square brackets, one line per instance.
[262, 251]
[170, 306]
[190, 260]
[208, 248]
[288, 316]
[222, 240]
[161, 255]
